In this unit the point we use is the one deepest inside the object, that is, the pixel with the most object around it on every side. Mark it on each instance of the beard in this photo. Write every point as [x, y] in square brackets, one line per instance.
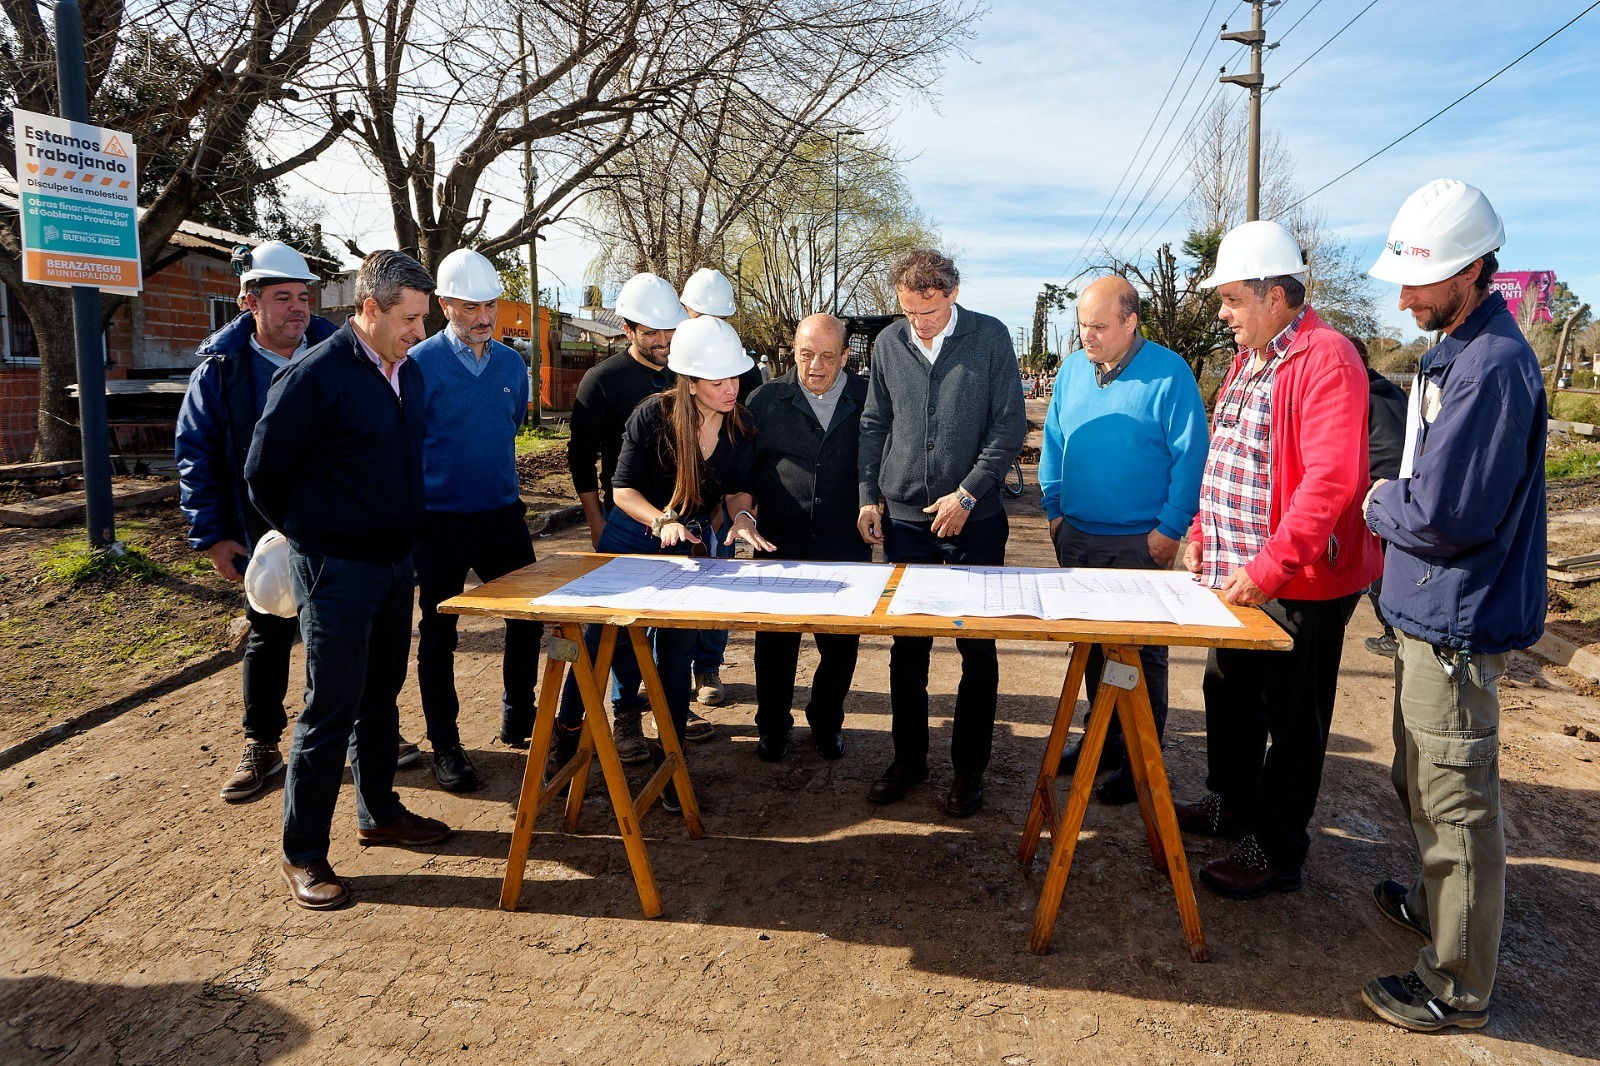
[1437, 318]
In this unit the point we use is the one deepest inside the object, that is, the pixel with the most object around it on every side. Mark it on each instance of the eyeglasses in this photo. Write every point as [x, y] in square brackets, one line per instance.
[701, 531]
[826, 358]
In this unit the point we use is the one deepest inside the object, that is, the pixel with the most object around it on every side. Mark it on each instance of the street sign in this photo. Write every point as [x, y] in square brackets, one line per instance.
[80, 218]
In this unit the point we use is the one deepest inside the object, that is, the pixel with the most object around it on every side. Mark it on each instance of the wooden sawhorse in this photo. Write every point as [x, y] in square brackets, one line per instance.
[1122, 693]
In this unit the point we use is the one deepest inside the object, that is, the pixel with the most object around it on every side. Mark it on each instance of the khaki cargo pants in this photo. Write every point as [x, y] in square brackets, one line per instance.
[1447, 775]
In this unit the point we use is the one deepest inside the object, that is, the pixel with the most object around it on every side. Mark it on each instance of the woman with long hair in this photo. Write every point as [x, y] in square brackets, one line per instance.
[686, 452]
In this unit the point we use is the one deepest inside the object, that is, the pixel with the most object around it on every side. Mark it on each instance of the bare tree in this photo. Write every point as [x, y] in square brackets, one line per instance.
[241, 64]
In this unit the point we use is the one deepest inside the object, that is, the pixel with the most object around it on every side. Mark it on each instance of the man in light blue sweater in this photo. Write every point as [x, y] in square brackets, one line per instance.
[1124, 445]
[476, 399]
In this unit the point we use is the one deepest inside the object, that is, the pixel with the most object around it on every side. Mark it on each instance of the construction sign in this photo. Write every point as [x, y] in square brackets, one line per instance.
[80, 210]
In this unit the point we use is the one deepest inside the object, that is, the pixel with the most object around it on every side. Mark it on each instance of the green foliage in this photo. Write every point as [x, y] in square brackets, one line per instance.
[1051, 298]
[1576, 407]
[1572, 460]
[532, 440]
[75, 563]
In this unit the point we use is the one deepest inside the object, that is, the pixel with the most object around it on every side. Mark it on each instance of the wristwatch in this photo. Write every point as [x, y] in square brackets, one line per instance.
[968, 500]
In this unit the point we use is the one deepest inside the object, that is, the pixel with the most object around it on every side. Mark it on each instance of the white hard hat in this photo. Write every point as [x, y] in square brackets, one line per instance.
[1440, 228]
[707, 348]
[271, 261]
[466, 275]
[707, 292]
[1254, 251]
[647, 300]
[266, 579]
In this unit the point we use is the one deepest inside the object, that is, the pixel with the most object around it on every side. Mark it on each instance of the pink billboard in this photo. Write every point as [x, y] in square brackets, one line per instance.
[1518, 285]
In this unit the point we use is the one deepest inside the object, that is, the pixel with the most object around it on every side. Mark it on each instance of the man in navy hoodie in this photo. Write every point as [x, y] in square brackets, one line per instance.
[476, 400]
[1464, 583]
[225, 396]
[336, 466]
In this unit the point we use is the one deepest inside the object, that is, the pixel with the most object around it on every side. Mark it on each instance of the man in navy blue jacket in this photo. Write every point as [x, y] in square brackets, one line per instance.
[476, 400]
[336, 466]
[1464, 583]
[226, 394]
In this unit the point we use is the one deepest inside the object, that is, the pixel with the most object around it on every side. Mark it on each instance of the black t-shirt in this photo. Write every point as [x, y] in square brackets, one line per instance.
[648, 466]
[607, 395]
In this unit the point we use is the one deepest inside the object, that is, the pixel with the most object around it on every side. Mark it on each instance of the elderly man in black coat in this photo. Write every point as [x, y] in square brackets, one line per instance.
[807, 425]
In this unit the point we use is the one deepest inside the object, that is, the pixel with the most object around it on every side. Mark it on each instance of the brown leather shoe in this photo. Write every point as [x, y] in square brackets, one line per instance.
[1248, 874]
[1207, 817]
[404, 830]
[314, 885]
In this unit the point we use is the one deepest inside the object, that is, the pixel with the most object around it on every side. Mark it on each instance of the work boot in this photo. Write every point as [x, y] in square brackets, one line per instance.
[708, 689]
[697, 728]
[628, 731]
[259, 762]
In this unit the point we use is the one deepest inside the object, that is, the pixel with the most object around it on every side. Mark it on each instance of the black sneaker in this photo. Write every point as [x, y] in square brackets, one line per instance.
[1391, 896]
[407, 754]
[1403, 1000]
[1385, 645]
[669, 800]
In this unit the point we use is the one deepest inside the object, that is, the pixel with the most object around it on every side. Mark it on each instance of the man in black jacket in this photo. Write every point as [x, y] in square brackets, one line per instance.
[808, 425]
[1386, 438]
[336, 466]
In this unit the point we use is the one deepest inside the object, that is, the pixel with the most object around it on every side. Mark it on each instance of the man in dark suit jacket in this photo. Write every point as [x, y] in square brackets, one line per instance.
[808, 425]
[336, 466]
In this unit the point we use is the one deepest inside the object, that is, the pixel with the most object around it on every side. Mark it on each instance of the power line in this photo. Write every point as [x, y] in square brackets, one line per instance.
[1204, 21]
[1324, 44]
[1447, 107]
[1297, 21]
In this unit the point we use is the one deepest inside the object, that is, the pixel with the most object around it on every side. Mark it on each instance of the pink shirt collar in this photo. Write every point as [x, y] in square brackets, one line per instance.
[390, 371]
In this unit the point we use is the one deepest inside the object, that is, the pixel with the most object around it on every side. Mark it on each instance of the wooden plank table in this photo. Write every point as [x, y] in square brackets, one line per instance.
[1121, 693]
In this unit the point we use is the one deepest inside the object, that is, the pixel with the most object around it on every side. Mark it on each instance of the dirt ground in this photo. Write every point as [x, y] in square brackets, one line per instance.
[145, 921]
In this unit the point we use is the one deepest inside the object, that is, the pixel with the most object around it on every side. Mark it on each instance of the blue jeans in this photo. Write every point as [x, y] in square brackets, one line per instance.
[981, 542]
[711, 644]
[673, 649]
[355, 619]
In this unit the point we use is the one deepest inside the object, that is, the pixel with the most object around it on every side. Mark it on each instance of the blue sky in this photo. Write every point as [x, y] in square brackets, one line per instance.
[1021, 154]
[1039, 116]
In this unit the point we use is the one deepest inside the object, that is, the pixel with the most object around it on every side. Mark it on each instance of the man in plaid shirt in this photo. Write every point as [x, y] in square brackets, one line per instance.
[1280, 526]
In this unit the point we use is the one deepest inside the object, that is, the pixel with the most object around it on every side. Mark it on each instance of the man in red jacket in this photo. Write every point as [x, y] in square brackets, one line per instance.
[1280, 526]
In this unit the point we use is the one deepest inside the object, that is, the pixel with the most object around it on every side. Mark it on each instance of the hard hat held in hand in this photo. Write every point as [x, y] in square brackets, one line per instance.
[1441, 228]
[709, 349]
[466, 275]
[266, 579]
[1254, 251]
[270, 261]
[707, 292]
[646, 300]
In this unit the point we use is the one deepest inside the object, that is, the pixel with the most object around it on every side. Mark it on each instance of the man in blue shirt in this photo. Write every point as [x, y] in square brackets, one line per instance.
[1124, 445]
[476, 397]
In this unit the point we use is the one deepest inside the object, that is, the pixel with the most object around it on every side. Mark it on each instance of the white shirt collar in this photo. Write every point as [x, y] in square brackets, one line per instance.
[932, 352]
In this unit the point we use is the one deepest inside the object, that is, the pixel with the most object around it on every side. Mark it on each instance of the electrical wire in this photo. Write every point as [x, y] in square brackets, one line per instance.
[1324, 44]
[1446, 108]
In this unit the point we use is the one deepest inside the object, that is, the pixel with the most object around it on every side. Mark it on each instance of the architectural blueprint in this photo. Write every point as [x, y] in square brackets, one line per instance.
[726, 586]
[1070, 592]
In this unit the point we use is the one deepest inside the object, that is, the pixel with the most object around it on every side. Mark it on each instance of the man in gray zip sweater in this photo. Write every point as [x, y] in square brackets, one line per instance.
[943, 421]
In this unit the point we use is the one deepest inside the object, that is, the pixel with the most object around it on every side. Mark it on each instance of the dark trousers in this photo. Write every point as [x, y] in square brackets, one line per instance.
[491, 544]
[355, 619]
[981, 542]
[1374, 591]
[673, 649]
[1285, 697]
[1074, 547]
[778, 657]
[266, 675]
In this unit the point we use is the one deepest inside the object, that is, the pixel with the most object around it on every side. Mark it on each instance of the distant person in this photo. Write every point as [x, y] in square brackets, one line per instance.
[1464, 522]
[226, 394]
[1386, 434]
[808, 429]
[946, 380]
[336, 466]
[1279, 527]
[1124, 443]
[685, 453]
[476, 399]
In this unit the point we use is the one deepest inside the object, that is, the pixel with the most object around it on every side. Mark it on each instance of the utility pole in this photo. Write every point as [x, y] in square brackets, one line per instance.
[1256, 38]
[530, 181]
[72, 85]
